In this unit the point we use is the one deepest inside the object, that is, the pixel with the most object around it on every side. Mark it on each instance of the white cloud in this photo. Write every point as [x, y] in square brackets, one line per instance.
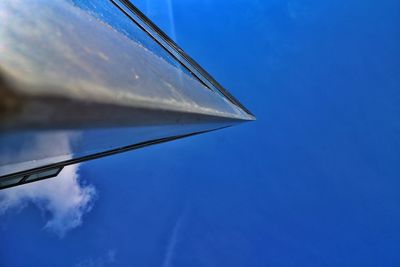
[63, 199]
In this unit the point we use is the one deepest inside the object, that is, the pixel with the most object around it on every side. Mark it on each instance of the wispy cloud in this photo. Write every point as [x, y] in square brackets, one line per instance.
[105, 260]
[63, 199]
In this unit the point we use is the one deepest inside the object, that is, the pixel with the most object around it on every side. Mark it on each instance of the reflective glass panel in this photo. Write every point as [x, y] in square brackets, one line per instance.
[10, 181]
[91, 80]
[44, 174]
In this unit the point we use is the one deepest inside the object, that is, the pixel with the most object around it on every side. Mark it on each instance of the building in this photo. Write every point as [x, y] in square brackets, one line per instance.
[80, 80]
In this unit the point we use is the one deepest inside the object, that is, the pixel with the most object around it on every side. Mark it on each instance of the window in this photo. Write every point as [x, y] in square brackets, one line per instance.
[6, 182]
[42, 175]
[23, 179]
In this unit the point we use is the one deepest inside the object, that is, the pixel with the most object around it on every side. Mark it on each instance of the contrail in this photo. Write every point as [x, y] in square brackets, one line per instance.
[174, 239]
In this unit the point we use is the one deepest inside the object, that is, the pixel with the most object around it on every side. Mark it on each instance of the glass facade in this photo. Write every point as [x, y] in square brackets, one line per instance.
[96, 78]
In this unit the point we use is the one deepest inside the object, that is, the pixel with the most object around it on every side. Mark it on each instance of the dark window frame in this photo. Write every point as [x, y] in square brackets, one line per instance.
[25, 177]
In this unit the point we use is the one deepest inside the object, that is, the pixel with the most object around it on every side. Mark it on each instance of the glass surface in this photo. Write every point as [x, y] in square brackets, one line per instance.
[99, 56]
[22, 151]
[10, 181]
[41, 175]
[87, 73]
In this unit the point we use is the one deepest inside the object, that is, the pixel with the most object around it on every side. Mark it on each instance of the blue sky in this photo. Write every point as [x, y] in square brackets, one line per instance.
[313, 182]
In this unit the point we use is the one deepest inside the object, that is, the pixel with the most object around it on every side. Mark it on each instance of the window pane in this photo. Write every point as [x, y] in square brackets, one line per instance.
[10, 181]
[44, 174]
